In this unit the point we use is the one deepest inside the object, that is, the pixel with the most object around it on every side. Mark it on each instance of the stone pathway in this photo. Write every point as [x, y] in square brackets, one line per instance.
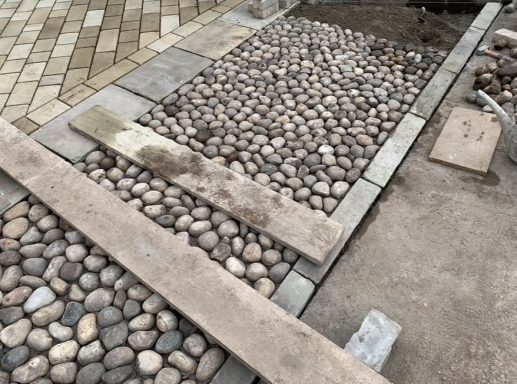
[49, 48]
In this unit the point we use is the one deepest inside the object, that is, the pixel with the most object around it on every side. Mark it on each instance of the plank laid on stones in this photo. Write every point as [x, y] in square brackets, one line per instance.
[468, 140]
[57, 136]
[11, 192]
[216, 39]
[350, 213]
[391, 154]
[164, 73]
[234, 314]
[284, 220]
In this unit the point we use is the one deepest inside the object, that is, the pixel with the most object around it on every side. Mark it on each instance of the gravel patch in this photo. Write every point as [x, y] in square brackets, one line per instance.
[80, 318]
[302, 107]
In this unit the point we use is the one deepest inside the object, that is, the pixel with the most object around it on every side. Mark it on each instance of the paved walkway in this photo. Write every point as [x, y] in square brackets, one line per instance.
[50, 48]
[436, 254]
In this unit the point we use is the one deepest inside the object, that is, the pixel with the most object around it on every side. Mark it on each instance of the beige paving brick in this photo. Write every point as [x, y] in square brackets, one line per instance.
[38, 57]
[111, 74]
[2, 59]
[45, 3]
[86, 42]
[114, 2]
[150, 22]
[142, 55]
[39, 16]
[231, 3]
[107, 40]
[52, 80]
[204, 6]
[22, 93]
[97, 4]
[51, 28]
[207, 17]
[44, 45]
[171, 10]
[27, 37]
[18, 16]
[111, 22]
[72, 26]
[130, 25]
[148, 37]
[127, 36]
[166, 3]
[14, 112]
[6, 13]
[56, 65]
[67, 38]
[74, 77]
[93, 18]
[25, 125]
[21, 51]
[114, 10]
[3, 100]
[188, 28]
[27, 5]
[169, 23]
[82, 58]
[76, 94]
[32, 72]
[125, 49]
[132, 15]
[48, 111]
[3, 23]
[133, 4]
[151, 7]
[188, 3]
[33, 27]
[58, 13]
[165, 42]
[76, 12]
[188, 13]
[13, 66]
[43, 95]
[13, 28]
[101, 61]
[89, 32]
[64, 5]
[62, 50]
[6, 43]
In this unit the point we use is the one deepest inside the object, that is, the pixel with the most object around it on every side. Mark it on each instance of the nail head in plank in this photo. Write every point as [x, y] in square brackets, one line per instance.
[218, 303]
[311, 234]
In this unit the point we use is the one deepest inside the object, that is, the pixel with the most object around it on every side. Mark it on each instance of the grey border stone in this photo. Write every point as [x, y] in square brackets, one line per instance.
[233, 372]
[241, 15]
[350, 213]
[433, 93]
[393, 151]
[459, 56]
[11, 192]
[487, 15]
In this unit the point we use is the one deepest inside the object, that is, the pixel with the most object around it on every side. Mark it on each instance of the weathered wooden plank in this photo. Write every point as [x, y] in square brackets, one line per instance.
[468, 140]
[310, 234]
[272, 343]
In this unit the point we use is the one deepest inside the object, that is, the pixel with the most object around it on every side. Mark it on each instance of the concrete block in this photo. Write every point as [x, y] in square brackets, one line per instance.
[215, 39]
[487, 15]
[11, 192]
[510, 36]
[267, 12]
[373, 342]
[233, 372]
[459, 56]
[393, 151]
[242, 15]
[432, 95]
[294, 293]
[155, 80]
[58, 137]
[264, 4]
[349, 213]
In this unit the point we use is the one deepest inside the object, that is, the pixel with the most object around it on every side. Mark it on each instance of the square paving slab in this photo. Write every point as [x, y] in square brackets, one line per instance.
[216, 39]
[164, 73]
[58, 137]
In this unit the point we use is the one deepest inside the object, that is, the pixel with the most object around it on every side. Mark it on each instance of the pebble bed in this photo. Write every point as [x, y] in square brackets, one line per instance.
[302, 107]
[70, 315]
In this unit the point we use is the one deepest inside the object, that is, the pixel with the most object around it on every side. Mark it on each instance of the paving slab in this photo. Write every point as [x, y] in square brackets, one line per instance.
[507, 34]
[393, 151]
[206, 294]
[11, 192]
[350, 213]
[241, 15]
[308, 233]
[487, 15]
[164, 73]
[58, 137]
[216, 39]
[461, 53]
[433, 93]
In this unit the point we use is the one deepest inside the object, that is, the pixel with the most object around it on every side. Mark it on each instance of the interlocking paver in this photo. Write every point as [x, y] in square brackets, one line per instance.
[43, 95]
[32, 72]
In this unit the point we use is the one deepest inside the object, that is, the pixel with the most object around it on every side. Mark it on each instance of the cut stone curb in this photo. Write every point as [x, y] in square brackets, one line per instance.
[58, 137]
[350, 213]
[241, 15]
[393, 151]
[211, 298]
[216, 39]
[11, 192]
[163, 74]
[373, 342]
[461, 53]
[487, 15]
[293, 295]
[433, 93]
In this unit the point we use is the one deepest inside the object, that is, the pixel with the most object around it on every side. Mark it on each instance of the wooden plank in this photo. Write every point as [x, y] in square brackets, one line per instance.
[301, 229]
[274, 344]
[467, 141]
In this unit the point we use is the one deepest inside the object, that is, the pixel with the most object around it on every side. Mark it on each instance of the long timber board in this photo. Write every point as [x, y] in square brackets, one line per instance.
[299, 228]
[272, 343]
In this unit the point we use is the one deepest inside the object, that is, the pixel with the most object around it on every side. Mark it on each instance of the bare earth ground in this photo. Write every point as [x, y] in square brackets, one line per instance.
[393, 23]
[436, 254]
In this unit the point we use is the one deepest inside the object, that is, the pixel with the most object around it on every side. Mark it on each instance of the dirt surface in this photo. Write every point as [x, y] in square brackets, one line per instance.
[393, 23]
